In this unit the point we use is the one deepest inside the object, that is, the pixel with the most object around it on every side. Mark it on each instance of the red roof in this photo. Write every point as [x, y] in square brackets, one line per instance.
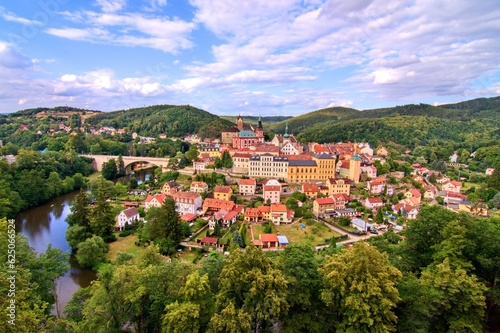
[272, 188]
[416, 193]
[375, 200]
[310, 187]
[186, 195]
[218, 204]
[264, 209]
[188, 217]
[325, 201]
[247, 182]
[268, 237]
[230, 215]
[159, 197]
[212, 240]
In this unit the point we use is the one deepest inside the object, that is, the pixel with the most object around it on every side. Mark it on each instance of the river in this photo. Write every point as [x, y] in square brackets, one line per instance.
[46, 224]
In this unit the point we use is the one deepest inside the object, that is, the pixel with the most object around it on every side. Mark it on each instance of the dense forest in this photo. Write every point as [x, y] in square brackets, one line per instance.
[175, 121]
[439, 275]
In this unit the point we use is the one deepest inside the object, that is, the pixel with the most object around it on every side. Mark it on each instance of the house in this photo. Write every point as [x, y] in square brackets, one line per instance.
[452, 186]
[408, 211]
[154, 201]
[267, 241]
[225, 218]
[272, 193]
[209, 242]
[170, 188]
[475, 209]
[222, 192]
[430, 192]
[310, 189]
[373, 203]
[414, 193]
[127, 216]
[214, 205]
[442, 180]
[324, 207]
[338, 185]
[381, 151]
[188, 217]
[377, 186]
[247, 186]
[198, 187]
[370, 170]
[187, 202]
[279, 214]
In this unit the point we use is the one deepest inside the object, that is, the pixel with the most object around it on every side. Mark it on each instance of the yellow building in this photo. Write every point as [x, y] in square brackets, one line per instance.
[300, 171]
[222, 192]
[212, 151]
[338, 186]
[325, 166]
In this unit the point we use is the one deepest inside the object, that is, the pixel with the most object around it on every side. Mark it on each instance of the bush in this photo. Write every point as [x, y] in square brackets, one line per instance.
[125, 233]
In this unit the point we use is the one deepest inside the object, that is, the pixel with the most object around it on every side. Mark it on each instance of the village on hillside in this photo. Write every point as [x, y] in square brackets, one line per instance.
[284, 191]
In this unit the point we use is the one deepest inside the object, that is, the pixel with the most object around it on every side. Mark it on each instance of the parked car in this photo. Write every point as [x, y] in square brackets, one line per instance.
[373, 231]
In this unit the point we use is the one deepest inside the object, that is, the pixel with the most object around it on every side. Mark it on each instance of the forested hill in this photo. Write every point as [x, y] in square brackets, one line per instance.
[253, 120]
[44, 111]
[173, 120]
[468, 124]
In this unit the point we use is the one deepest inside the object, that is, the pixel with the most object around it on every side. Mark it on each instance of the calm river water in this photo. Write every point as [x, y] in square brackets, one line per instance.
[46, 224]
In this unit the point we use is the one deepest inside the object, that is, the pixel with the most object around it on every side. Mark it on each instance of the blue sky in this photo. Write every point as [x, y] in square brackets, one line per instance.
[258, 57]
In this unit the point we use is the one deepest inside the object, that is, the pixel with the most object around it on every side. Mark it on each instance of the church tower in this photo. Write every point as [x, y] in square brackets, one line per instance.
[239, 123]
[286, 136]
[259, 131]
[355, 168]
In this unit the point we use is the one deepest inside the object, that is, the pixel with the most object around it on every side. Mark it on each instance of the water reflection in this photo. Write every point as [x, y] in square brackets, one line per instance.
[46, 224]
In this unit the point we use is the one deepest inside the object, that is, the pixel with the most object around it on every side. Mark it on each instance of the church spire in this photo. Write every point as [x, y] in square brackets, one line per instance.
[286, 132]
[260, 123]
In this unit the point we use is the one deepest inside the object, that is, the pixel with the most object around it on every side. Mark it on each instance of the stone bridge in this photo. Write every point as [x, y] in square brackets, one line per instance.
[127, 160]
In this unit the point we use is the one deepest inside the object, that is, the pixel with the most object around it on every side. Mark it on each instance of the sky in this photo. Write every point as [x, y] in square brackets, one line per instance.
[258, 57]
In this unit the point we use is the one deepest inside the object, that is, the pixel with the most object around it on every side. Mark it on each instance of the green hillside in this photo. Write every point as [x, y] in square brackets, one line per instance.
[251, 120]
[302, 122]
[467, 125]
[173, 120]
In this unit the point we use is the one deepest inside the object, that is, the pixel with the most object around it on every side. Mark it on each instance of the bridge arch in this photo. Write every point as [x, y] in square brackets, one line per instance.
[127, 160]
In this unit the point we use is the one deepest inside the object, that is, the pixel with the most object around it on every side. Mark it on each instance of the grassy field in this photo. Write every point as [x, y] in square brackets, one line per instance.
[312, 235]
[124, 244]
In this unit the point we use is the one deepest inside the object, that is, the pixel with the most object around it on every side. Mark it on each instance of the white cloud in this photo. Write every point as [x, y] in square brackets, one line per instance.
[11, 17]
[129, 29]
[110, 6]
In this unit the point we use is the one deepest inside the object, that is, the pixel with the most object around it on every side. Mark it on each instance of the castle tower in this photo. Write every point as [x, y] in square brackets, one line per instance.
[355, 168]
[239, 123]
[260, 130]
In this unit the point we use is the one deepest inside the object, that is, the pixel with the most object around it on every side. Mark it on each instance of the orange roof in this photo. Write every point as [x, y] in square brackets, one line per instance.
[310, 187]
[159, 197]
[345, 164]
[222, 189]
[212, 240]
[264, 209]
[188, 217]
[218, 204]
[416, 193]
[268, 237]
[454, 182]
[278, 208]
[325, 201]
[186, 195]
[375, 200]
[272, 188]
[247, 181]
[201, 184]
[300, 157]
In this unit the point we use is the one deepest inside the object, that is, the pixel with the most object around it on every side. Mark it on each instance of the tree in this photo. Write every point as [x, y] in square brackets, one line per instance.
[344, 221]
[252, 293]
[76, 234]
[109, 169]
[91, 252]
[458, 302]
[80, 212]
[494, 181]
[163, 225]
[496, 201]
[360, 287]
[379, 218]
[120, 165]
[300, 268]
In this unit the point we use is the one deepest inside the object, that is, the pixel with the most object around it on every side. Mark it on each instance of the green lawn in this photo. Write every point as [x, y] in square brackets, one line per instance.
[312, 235]
[124, 244]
